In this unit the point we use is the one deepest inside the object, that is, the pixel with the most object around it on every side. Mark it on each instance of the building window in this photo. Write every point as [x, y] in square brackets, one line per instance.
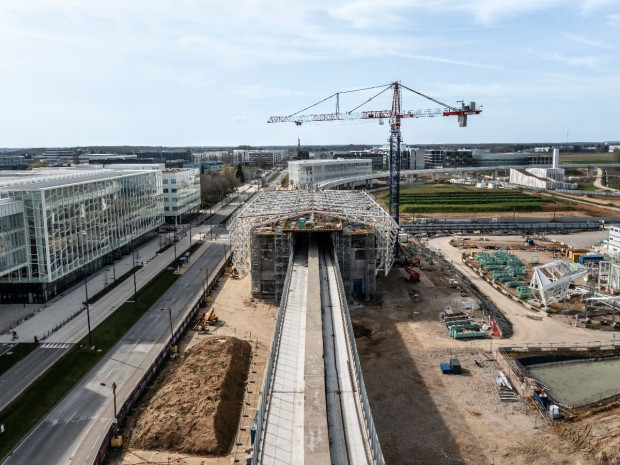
[165, 181]
[165, 191]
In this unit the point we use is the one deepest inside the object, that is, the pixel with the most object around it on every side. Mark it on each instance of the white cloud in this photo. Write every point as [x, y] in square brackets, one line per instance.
[589, 61]
[613, 19]
[586, 41]
[452, 62]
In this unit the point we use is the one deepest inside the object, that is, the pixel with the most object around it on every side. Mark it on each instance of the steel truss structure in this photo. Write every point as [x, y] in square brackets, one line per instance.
[271, 207]
[550, 282]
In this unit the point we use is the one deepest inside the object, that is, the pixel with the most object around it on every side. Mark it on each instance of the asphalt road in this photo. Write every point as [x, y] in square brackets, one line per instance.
[73, 431]
[38, 361]
[57, 439]
[19, 377]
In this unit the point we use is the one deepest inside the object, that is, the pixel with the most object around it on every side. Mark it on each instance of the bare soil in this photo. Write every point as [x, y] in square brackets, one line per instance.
[425, 417]
[204, 418]
[195, 404]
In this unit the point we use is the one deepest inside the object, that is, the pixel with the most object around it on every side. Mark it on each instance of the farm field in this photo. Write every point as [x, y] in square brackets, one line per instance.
[587, 158]
[466, 199]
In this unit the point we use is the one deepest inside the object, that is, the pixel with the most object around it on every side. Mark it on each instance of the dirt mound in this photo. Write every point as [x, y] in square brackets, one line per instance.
[195, 405]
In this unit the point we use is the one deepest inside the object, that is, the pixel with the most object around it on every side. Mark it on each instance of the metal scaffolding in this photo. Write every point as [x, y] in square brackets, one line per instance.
[550, 282]
[353, 207]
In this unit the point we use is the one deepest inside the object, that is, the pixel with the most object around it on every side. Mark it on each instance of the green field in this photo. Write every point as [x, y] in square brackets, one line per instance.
[588, 158]
[465, 199]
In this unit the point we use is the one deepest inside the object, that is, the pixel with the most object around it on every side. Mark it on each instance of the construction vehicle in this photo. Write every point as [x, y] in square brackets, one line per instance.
[206, 320]
[413, 274]
[394, 116]
[234, 274]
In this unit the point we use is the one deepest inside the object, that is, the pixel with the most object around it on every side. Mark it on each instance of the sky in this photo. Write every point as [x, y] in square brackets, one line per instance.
[211, 73]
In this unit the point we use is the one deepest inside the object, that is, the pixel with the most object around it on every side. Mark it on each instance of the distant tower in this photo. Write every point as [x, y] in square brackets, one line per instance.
[556, 158]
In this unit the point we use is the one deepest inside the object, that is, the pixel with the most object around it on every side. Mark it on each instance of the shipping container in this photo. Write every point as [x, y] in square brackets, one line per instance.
[455, 366]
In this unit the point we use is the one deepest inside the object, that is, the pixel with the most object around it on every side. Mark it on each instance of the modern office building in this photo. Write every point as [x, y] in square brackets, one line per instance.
[209, 166]
[259, 157]
[375, 155]
[60, 224]
[181, 189]
[305, 174]
[13, 162]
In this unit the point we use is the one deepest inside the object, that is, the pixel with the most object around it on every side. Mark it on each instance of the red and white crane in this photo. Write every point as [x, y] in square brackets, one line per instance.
[394, 116]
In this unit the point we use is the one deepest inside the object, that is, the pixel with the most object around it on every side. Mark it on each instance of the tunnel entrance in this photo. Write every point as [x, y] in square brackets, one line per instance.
[354, 246]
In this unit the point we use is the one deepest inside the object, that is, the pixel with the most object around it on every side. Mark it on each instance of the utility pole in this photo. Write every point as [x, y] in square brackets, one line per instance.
[135, 286]
[90, 337]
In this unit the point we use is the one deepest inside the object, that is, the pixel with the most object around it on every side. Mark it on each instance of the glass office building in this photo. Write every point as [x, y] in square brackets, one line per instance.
[72, 221]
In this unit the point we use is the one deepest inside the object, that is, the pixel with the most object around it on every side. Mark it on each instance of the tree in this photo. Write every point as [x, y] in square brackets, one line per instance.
[38, 164]
[239, 174]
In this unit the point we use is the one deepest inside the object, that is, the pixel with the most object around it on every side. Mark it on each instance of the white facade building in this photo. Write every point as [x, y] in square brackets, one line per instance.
[181, 189]
[308, 173]
[613, 243]
[58, 224]
[543, 178]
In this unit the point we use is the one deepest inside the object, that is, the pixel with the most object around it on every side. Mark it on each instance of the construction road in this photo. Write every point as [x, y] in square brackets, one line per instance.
[525, 323]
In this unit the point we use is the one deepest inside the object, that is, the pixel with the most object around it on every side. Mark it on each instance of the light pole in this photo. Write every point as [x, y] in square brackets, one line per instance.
[114, 394]
[135, 287]
[90, 337]
[170, 316]
[204, 291]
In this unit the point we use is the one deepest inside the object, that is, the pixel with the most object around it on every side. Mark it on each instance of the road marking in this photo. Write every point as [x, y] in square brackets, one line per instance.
[71, 418]
[55, 345]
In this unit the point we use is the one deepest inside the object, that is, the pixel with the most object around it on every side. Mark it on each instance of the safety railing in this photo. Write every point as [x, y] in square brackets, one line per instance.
[133, 397]
[373, 439]
[262, 410]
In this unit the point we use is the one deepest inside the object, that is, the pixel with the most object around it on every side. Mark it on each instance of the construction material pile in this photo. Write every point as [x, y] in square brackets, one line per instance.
[195, 404]
[504, 266]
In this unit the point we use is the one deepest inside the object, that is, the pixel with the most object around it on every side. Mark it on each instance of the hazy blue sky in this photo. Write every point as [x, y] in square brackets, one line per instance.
[202, 72]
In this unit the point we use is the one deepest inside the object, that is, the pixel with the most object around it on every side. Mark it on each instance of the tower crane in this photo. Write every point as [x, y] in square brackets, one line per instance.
[394, 115]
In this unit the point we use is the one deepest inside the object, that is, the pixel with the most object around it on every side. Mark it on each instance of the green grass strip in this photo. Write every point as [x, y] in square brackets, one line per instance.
[10, 358]
[25, 412]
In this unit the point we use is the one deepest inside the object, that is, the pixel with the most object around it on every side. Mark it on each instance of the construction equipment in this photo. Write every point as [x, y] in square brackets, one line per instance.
[394, 115]
[234, 274]
[206, 320]
[413, 274]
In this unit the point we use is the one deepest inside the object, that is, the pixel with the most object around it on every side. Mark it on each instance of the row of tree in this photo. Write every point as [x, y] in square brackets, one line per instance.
[214, 187]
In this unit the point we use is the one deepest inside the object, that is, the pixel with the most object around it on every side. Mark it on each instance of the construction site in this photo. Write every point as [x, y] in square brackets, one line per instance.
[448, 333]
[421, 415]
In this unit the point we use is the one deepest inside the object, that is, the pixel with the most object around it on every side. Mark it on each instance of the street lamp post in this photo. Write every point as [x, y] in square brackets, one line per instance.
[205, 289]
[170, 317]
[90, 337]
[135, 286]
[114, 395]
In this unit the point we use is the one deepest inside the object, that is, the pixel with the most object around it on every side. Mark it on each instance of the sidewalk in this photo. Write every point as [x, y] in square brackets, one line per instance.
[40, 319]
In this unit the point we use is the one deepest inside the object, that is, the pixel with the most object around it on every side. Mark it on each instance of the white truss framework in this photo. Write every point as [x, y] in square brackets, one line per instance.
[550, 282]
[274, 206]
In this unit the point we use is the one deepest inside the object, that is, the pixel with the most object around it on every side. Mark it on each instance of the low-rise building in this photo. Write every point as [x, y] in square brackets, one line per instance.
[306, 174]
[613, 243]
[259, 157]
[181, 189]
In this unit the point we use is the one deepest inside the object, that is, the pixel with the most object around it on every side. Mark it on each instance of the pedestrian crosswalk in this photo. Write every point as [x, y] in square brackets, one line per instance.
[5, 347]
[55, 345]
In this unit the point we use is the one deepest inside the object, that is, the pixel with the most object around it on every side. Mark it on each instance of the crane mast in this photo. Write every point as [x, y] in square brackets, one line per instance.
[394, 116]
